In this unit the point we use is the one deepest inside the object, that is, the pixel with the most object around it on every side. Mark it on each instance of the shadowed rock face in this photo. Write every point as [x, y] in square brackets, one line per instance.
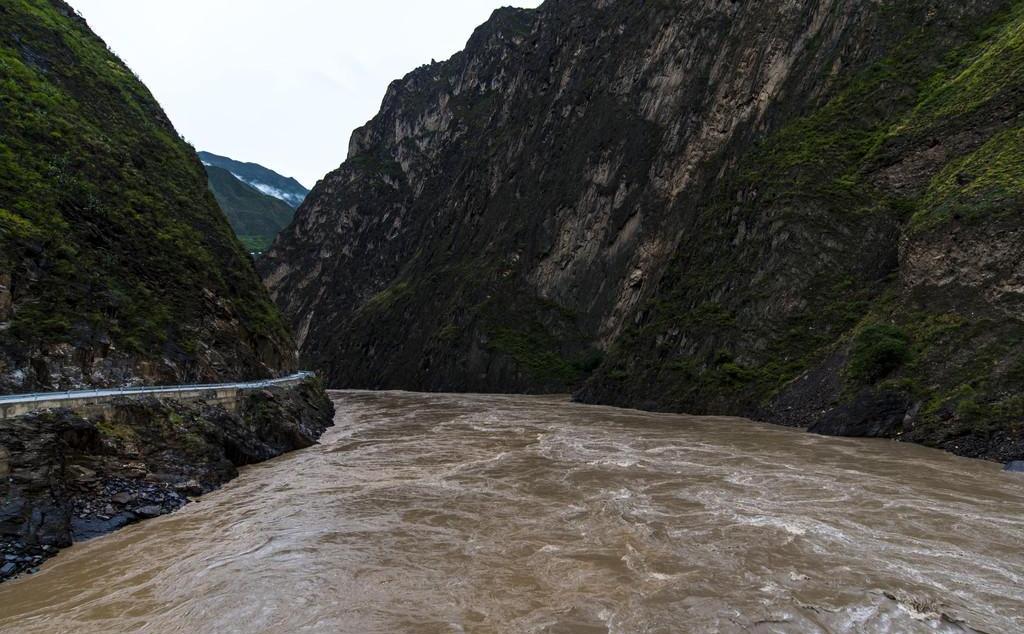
[740, 208]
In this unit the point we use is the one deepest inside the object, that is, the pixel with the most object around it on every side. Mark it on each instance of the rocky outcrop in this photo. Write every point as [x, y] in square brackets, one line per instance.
[869, 415]
[764, 209]
[857, 271]
[116, 266]
[64, 478]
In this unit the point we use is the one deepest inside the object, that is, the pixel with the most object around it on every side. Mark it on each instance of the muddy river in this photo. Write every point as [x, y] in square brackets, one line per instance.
[460, 513]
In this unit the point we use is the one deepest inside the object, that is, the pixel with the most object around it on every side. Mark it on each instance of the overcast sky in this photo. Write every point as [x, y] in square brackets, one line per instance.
[280, 82]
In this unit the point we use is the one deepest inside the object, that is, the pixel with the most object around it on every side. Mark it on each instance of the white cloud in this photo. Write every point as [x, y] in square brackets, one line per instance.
[280, 82]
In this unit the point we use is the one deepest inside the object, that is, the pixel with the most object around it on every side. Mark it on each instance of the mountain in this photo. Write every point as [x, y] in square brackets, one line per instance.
[256, 217]
[265, 180]
[807, 211]
[116, 265]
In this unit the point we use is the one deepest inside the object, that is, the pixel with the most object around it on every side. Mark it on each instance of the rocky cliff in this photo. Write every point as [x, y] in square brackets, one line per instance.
[803, 211]
[66, 478]
[116, 265]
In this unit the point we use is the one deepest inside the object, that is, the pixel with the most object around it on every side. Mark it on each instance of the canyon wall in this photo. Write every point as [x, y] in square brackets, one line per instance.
[807, 212]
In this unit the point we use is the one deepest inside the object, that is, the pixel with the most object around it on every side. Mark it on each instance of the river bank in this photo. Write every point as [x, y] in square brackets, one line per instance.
[68, 478]
[811, 404]
[445, 513]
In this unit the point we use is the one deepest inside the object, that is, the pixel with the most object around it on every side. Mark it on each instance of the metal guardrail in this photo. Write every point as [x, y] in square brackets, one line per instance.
[40, 397]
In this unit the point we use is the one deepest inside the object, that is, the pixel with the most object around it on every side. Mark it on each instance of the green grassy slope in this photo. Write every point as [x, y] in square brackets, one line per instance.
[112, 241]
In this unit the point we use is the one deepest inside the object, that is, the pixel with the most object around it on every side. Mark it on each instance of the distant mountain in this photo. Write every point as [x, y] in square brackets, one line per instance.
[256, 217]
[265, 180]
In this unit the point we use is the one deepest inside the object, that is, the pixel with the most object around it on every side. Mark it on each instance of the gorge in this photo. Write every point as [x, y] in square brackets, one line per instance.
[567, 308]
[801, 212]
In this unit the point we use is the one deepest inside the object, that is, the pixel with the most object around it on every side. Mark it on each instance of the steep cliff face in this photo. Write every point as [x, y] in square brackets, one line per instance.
[115, 263]
[859, 271]
[806, 211]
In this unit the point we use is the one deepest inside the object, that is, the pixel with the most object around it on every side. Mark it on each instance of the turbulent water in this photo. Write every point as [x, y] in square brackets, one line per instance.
[452, 513]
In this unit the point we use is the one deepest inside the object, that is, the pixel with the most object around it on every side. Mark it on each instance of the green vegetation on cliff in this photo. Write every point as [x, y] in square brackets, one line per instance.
[877, 350]
[925, 143]
[106, 224]
[987, 184]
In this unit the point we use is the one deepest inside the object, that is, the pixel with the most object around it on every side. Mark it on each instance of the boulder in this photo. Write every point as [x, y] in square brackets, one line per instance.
[79, 473]
[124, 497]
[89, 528]
[150, 511]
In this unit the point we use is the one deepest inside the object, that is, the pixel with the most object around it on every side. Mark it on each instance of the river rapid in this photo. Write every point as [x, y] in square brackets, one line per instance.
[464, 513]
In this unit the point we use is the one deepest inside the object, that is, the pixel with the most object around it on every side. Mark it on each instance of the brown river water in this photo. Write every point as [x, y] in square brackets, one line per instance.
[459, 513]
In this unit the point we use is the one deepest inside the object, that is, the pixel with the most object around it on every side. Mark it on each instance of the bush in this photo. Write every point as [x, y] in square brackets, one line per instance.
[878, 351]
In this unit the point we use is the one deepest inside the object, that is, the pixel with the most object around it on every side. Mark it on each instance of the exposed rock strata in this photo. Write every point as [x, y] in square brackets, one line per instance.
[65, 478]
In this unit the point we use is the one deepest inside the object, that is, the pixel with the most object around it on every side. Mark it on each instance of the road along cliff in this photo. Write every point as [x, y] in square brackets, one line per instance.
[117, 268]
[65, 477]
